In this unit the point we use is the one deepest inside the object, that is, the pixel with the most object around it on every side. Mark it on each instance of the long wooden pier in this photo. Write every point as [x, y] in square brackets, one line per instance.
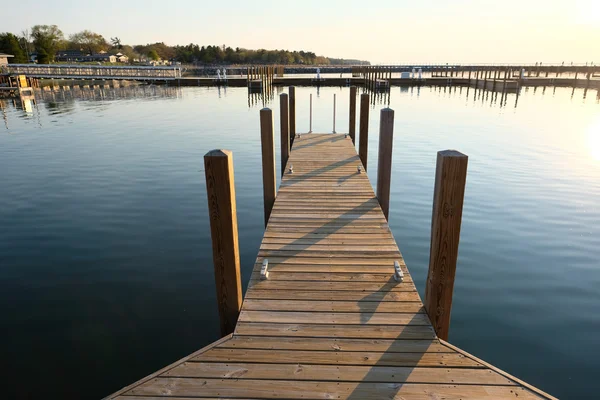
[84, 71]
[329, 317]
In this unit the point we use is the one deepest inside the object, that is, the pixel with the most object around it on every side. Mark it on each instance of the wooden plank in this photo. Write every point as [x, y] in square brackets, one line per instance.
[409, 295]
[336, 331]
[323, 318]
[329, 248]
[331, 269]
[332, 261]
[329, 344]
[333, 306]
[365, 240]
[341, 373]
[290, 389]
[441, 360]
[385, 234]
[327, 277]
[364, 256]
[366, 288]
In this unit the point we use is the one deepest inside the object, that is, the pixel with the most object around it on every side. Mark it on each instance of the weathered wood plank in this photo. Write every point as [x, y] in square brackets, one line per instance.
[333, 306]
[364, 318]
[333, 344]
[336, 331]
[290, 389]
[343, 373]
[445, 360]
[408, 295]
[327, 277]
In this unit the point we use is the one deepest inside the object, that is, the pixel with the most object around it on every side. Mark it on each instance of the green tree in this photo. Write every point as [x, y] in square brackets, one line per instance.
[89, 41]
[153, 55]
[9, 44]
[42, 57]
[47, 38]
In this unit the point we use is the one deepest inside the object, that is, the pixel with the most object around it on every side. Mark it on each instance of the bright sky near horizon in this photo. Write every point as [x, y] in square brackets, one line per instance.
[385, 31]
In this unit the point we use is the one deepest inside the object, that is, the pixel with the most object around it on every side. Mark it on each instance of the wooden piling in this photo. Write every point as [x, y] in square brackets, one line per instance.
[384, 161]
[292, 113]
[285, 130]
[450, 179]
[220, 189]
[352, 122]
[268, 160]
[363, 140]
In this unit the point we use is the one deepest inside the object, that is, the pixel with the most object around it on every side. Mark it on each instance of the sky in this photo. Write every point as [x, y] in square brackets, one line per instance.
[383, 31]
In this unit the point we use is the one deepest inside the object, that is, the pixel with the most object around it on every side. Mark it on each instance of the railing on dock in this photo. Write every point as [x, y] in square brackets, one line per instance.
[84, 71]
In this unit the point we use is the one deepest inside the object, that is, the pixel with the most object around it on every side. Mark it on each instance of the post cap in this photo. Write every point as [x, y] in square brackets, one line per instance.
[219, 153]
[451, 153]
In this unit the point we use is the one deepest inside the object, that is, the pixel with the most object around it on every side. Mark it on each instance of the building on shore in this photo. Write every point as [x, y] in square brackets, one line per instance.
[4, 58]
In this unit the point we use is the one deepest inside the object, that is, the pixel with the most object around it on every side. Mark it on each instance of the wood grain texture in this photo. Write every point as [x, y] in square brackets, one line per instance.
[268, 161]
[220, 189]
[384, 159]
[450, 180]
[363, 139]
[292, 113]
[284, 123]
[352, 115]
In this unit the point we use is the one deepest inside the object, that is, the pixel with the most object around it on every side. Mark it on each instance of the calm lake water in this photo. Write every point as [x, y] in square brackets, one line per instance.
[105, 253]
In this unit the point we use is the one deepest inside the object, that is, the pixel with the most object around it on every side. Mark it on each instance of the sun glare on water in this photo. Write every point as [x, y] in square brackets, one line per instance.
[594, 139]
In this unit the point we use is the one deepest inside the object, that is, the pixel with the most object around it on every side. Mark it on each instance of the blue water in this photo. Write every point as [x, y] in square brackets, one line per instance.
[105, 255]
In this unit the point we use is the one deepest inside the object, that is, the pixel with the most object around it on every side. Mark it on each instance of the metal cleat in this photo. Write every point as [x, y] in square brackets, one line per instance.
[398, 274]
[359, 169]
[264, 272]
[291, 169]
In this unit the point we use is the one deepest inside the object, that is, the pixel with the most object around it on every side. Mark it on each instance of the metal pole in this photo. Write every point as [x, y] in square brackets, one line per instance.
[334, 113]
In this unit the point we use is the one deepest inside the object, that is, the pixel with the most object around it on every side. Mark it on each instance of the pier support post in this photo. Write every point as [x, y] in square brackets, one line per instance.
[352, 127]
[292, 113]
[220, 189]
[268, 160]
[363, 140]
[384, 162]
[450, 179]
[285, 130]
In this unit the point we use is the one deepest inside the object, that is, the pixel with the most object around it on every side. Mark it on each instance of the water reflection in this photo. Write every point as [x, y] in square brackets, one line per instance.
[264, 96]
[67, 93]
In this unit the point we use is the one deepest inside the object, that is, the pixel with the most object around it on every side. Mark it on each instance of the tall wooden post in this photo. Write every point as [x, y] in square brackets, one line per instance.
[384, 162]
[363, 140]
[292, 111]
[220, 189]
[352, 126]
[285, 130]
[450, 179]
[268, 160]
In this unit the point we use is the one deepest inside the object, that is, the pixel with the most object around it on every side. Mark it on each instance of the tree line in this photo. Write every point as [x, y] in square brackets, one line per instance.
[48, 40]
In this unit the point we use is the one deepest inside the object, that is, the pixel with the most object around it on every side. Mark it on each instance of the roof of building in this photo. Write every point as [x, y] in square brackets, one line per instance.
[6, 55]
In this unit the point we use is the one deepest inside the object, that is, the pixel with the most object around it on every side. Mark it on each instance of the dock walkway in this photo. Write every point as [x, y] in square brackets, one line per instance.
[330, 322]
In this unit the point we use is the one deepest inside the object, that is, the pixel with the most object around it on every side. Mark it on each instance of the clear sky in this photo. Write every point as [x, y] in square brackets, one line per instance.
[383, 31]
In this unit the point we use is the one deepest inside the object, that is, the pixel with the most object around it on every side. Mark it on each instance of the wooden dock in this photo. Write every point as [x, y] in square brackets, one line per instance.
[331, 321]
